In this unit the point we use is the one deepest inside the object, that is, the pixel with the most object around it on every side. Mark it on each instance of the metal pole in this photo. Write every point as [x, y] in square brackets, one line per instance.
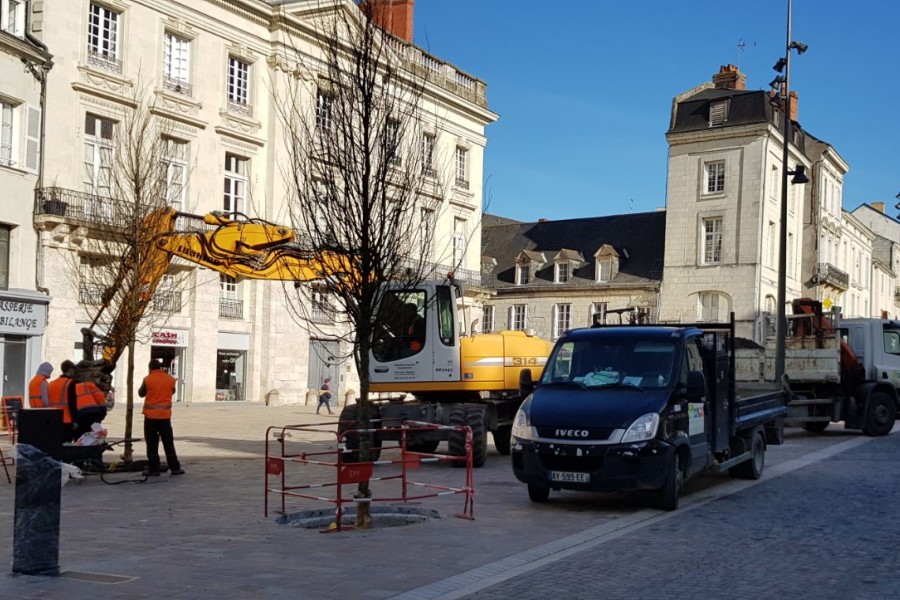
[781, 324]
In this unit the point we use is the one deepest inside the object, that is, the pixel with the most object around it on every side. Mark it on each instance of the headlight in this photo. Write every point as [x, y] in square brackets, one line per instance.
[643, 428]
[522, 428]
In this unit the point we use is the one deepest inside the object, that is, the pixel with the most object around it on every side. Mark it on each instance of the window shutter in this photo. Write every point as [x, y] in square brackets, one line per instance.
[717, 112]
[33, 139]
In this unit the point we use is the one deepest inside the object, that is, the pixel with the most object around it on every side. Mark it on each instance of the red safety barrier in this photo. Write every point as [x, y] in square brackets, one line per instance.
[349, 473]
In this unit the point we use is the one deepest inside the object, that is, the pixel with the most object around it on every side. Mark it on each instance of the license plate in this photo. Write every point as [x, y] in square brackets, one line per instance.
[569, 477]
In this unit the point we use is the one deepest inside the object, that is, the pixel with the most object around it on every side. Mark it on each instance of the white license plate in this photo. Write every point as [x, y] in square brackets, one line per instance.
[568, 477]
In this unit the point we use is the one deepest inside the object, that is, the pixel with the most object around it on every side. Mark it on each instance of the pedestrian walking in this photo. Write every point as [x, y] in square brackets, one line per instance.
[157, 390]
[38, 386]
[325, 396]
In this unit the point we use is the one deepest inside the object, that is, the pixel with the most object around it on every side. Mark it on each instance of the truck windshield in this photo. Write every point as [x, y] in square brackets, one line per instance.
[612, 361]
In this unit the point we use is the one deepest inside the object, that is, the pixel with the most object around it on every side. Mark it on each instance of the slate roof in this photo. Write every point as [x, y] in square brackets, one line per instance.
[641, 236]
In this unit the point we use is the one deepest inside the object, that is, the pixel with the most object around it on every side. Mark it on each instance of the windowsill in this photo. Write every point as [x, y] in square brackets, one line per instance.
[14, 168]
[709, 265]
[712, 196]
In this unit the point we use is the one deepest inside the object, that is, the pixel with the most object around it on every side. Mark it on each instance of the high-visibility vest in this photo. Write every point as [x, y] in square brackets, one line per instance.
[35, 398]
[88, 396]
[58, 393]
[158, 401]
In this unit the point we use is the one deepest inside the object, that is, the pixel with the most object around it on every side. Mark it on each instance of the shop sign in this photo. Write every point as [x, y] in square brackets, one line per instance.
[169, 337]
[22, 318]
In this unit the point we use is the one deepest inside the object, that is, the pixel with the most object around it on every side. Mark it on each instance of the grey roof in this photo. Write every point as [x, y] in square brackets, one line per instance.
[638, 238]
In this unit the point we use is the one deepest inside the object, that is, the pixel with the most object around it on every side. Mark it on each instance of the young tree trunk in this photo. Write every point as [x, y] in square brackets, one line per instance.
[128, 456]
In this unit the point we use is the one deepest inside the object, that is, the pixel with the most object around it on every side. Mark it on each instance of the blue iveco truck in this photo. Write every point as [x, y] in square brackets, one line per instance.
[642, 407]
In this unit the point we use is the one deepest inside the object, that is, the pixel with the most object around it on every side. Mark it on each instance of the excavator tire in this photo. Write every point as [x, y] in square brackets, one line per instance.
[473, 416]
[349, 421]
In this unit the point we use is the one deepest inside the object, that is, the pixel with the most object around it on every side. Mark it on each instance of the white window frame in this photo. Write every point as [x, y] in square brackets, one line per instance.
[708, 307]
[324, 111]
[426, 231]
[459, 241]
[236, 169]
[228, 287]
[8, 133]
[562, 319]
[711, 240]
[771, 247]
[487, 318]
[714, 177]
[177, 62]
[237, 89]
[523, 274]
[604, 270]
[600, 308]
[428, 145]
[99, 147]
[518, 317]
[104, 28]
[12, 16]
[718, 112]
[392, 142]
[175, 161]
[562, 272]
[462, 168]
[5, 235]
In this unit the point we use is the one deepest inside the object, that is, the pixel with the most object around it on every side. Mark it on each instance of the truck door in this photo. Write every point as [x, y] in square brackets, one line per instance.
[887, 365]
[699, 417]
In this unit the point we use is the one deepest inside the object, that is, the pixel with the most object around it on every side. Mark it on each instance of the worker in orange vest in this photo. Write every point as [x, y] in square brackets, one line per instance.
[157, 389]
[37, 387]
[90, 405]
[61, 395]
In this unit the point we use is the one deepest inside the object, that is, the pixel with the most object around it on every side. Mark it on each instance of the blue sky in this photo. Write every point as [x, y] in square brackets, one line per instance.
[584, 89]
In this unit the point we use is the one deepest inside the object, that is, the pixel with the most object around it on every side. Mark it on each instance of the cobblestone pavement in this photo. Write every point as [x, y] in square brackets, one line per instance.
[203, 535]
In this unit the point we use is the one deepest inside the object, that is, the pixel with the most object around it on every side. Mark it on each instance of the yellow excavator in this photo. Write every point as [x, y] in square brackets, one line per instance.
[438, 374]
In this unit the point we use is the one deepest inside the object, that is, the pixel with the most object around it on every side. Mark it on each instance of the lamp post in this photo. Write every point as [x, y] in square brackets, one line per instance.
[799, 177]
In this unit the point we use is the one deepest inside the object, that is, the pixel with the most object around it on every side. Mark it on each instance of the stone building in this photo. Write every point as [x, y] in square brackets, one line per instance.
[24, 67]
[210, 67]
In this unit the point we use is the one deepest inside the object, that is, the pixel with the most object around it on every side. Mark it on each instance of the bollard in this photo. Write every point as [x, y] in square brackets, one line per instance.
[312, 395]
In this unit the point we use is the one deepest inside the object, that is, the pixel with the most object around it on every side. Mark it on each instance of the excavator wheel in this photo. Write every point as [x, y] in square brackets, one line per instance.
[473, 416]
[349, 422]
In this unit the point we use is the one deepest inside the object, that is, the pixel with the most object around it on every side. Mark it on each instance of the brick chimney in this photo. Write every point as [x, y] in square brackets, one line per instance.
[879, 206]
[729, 78]
[795, 99]
[395, 16]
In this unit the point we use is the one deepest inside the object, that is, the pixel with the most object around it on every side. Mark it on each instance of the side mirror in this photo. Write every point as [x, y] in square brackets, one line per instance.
[526, 383]
[696, 385]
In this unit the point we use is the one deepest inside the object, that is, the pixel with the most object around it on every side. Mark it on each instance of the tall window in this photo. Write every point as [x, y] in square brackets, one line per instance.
[462, 171]
[487, 319]
[392, 141]
[714, 173]
[103, 38]
[772, 238]
[709, 306]
[4, 257]
[426, 231]
[518, 317]
[12, 16]
[604, 270]
[428, 154]
[227, 287]
[562, 320]
[523, 274]
[238, 91]
[790, 255]
[177, 63]
[459, 241]
[712, 241]
[563, 271]
[98, 155]
[7, 112]
[235, 184]
[598, 313]
[324, 104]
[774, 183]
[175, 162]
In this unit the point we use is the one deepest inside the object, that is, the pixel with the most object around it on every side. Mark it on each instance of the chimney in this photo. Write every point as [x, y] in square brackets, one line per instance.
[879, 206]
[729, 78]
[795, 99]
[394, 16]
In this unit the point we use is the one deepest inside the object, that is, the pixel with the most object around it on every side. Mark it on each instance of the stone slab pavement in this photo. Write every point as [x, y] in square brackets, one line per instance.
[203, 535]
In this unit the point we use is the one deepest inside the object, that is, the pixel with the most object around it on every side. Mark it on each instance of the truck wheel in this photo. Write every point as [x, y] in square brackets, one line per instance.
[502, 438]
[671, 489]
[423, 447]
[816, 426]
[538, 493]
[753, 468]
[473, 416]
[881, 412]
[349, 420]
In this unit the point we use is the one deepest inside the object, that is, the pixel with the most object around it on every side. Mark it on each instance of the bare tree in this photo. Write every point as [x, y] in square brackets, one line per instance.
[126, 282]
[363, 176]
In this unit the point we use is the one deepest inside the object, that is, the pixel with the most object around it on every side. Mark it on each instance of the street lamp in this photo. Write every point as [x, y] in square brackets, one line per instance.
[799, 176]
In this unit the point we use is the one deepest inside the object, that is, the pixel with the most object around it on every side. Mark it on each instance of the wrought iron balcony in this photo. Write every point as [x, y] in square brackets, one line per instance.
[231, 308]
[104, 61]
[90, 294]
[828, 274]
[167, 301]
[462, 184]
[80, 206]
[176, 85]
[240, 108]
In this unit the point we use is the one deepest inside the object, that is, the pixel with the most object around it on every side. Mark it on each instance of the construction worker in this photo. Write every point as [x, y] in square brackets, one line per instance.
[37, 387]
[90, 405]
[157, 390]
[61, 395]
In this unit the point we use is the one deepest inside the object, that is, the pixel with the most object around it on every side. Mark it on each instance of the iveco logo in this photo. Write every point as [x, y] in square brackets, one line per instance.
[572, 433]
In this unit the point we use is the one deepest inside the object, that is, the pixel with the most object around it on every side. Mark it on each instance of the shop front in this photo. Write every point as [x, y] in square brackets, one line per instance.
[231, 366]
[169, 346]
[23, 317]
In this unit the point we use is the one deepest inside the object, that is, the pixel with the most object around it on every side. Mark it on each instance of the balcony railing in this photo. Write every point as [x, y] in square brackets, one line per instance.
[90, 294]
[168, 301]
[231, 308]
[176, 85]
[462, 184]
[104, 61]
[828, 274]
[240, 108]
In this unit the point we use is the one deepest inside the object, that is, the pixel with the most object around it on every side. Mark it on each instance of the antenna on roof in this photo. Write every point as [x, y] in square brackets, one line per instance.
[741, 48]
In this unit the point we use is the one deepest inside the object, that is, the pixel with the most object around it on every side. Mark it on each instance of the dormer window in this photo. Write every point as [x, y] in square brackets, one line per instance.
[607, 265]
[528, 262]
[523, 274]
[562, 272]
[718, 113]
[604, 270]
[564, 264]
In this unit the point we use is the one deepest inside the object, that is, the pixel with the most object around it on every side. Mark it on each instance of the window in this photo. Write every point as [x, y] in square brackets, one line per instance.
[227, 287]
[598, 313]
[98, 155]
[426, 231]
[12, 16]
[230, 306]
[523, 274]
[4, 257]
[772, 238]
[774, 183]
[238, 90]
[174, 153]
[518, 317]
[392, 141]
[462, 174]
[324, 103]
[789, 270]
[604, 270]
[714, 173]
[487, 319]
[712, 241]
[459, 242]
[718, 112]
[428, 154]
[7, 112]
[562, 320]
[103, 38]
[563, 271]
[709, 306]
[321, 306]
[235, 184]
[176, 64]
